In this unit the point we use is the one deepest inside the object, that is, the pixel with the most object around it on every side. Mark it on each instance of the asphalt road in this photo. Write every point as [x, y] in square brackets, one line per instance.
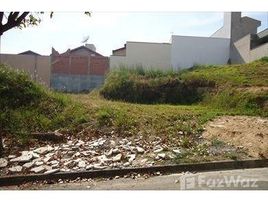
[249, 179]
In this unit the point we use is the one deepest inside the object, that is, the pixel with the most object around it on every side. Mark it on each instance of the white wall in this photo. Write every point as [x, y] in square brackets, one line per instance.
[116, 61]
[156, 55]
[259, 52]
[187, 51]
[149, 55]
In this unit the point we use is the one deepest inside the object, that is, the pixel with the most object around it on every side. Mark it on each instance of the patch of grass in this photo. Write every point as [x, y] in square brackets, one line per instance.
[28, 107]
[217, 143]
[219, 87]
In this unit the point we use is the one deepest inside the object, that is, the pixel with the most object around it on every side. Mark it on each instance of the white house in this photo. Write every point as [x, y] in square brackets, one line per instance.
[237, 41]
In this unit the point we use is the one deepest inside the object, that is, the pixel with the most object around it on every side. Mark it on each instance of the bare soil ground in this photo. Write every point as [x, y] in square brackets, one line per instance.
[249, 133]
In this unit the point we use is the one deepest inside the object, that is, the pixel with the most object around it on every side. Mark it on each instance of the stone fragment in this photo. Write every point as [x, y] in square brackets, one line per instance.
[15, 169]
[143, 161]
[140, 149]
[38, 169]
[29, 164]
[52, 171]
[38, 163]
[11, 156]
[25, 157]
[176, 151]
[126, 164]
[110, 153]
[158, 150]
[131, 158]
[43, 150]
[116, 150]
[82, 164]
[112, 143]
[161, 155]
[98, 166]
[3, 162]
[102, 159]
[117, 158]
[89, 167]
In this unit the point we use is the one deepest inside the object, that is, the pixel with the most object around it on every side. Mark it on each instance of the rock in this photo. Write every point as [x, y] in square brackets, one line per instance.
[110, 153]
[11, 156]
[158, 150]
[102, 159]
[161, 155]
[89, 167]
[176, 151]
[3, 162]
[43, 150]
[82, 164]
[126, 164]
[116, 150]
[98, 166]
[25, 157]
[52, 171]
[112, 143]
[79, 143]
[140, 149]
[180, 133]
[15, 169]
[77, 154]
[131, 158]
[29, 164]
[38, 169]
[117, 158]
[47, 159]
[38, 163]
[143, 161]
[54, 162]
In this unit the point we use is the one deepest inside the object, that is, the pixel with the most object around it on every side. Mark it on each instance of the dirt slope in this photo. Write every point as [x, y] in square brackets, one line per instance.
[251, 133]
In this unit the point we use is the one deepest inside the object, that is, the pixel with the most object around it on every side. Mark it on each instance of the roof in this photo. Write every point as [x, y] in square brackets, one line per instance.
[257, 22]
[122, 48]
[29, 52]
[85, 48]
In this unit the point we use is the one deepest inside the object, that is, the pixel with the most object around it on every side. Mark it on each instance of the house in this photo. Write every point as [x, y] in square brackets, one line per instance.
[237, 41]
[79, 69]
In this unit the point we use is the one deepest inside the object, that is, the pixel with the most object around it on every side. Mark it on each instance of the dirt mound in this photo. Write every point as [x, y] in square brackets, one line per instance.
[250, 133]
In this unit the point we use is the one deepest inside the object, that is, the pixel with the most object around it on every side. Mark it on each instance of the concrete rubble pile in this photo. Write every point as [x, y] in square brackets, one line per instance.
[76, 155]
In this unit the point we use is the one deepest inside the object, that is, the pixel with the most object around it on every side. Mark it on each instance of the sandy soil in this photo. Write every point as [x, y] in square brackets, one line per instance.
[249, 133]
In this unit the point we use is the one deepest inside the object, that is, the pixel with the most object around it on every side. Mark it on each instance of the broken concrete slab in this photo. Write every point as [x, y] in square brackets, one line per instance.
[3, 162]
[15, 169]
[117, 158]
[43, 150]
[140, 149]
[38, 169]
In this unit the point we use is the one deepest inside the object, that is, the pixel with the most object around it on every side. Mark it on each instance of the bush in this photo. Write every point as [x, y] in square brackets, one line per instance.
[28, 107]
[153, 86]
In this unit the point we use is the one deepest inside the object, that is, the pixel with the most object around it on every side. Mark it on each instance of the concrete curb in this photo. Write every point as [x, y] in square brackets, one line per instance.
[198, 167]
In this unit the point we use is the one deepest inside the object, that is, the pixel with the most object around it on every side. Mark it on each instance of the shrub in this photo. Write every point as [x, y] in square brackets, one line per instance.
[27, 106]
[153, 86]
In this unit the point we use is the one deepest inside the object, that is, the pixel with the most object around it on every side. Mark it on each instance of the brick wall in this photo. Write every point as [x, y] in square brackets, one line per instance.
[98, 65]
[80, 65]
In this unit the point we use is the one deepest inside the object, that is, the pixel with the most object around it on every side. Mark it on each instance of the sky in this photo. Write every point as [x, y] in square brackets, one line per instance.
[108, 31]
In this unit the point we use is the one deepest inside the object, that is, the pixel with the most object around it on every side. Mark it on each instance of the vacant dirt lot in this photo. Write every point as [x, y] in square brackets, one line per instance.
[249, 133]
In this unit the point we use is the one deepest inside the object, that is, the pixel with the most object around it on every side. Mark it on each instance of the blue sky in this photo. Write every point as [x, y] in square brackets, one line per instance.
[109, 31]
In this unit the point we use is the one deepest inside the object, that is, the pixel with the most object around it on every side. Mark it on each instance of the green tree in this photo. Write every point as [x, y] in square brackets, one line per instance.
[9, 20]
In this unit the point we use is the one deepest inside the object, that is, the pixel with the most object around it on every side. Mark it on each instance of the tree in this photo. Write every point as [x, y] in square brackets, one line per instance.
[9, 20]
